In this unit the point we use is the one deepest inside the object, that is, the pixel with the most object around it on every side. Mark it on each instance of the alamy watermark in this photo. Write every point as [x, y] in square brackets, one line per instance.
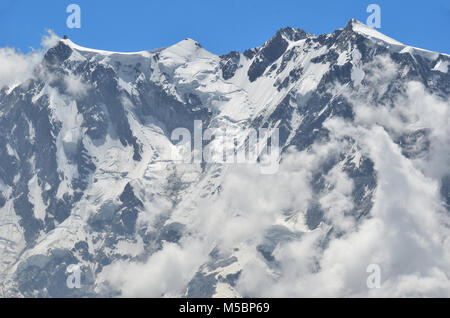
[74, 278]
[374, 20]
[74, 19]
[222, 147]
[374, 279]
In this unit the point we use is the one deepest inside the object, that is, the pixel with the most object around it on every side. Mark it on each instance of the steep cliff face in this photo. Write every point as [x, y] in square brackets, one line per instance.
[86, 175]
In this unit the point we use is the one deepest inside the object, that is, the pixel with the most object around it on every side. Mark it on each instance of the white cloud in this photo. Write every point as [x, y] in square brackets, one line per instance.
[165, 273]
[16, 67]
[407, 233]
[337, 202]
[75, 85]
[49, 40]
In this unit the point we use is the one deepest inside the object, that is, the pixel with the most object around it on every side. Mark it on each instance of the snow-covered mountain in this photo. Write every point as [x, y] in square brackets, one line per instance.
[364, 177]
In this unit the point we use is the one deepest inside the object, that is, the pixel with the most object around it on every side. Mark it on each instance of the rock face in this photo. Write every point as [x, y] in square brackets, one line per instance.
[85, 148]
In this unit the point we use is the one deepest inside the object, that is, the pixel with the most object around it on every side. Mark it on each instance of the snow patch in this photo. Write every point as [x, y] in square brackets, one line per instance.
[35, 197]
[363, 29]
[441, 66]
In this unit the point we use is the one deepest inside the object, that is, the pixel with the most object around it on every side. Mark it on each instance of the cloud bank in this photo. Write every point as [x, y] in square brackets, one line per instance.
[16, 67]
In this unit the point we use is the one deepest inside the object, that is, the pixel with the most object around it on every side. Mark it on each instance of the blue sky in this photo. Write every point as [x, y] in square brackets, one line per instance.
[220, 26]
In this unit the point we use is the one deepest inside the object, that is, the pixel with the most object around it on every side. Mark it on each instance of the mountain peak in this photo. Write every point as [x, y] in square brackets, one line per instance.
[186, 49]
[83, 49]
[188, 44]
[360, 28]
[354, 22]
[292, 34]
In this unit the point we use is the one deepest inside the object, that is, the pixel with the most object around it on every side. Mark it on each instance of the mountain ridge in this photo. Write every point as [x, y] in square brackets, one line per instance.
[284, 30]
